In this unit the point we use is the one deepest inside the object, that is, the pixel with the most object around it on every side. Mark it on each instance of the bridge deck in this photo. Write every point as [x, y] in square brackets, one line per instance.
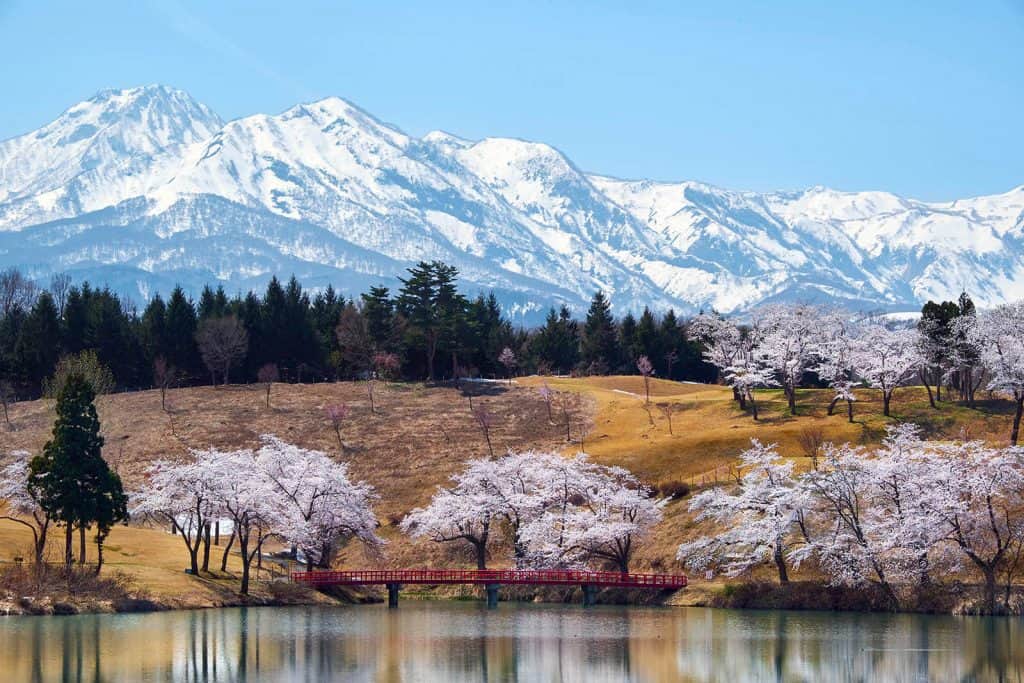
[361, 577]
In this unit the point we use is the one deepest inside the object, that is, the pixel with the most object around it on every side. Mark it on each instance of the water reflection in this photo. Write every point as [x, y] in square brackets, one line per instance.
[465, 642]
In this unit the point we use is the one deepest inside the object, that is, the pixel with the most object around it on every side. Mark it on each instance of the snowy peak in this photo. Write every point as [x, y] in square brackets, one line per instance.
[145, 186]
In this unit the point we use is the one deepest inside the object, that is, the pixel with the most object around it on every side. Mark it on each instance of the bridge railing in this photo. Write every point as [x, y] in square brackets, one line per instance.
[488, 576]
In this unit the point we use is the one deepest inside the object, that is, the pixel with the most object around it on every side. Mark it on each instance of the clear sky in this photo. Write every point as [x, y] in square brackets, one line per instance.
[920, 98]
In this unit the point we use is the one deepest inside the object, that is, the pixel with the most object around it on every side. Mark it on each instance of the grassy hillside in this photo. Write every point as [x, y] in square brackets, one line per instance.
[420, 435]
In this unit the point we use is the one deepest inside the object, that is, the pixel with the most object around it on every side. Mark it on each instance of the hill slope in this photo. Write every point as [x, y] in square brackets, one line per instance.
[422, 435]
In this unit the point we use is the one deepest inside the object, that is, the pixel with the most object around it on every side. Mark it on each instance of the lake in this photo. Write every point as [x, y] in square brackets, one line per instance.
[463, 641]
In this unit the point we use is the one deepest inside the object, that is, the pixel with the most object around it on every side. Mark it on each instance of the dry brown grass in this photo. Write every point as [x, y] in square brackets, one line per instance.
[418, 437]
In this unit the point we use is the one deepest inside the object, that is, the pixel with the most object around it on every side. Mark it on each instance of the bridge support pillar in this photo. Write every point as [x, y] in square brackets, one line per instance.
[492, 594]
[393, 589]
[589, 595]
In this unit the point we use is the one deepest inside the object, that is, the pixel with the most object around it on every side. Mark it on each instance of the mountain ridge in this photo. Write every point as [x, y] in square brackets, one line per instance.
[120, 187]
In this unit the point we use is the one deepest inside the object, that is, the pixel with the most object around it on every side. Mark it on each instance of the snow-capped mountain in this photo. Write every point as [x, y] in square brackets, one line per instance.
[144, 188]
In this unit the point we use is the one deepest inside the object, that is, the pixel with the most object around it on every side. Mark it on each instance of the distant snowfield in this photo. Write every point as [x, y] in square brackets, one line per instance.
[145, 188]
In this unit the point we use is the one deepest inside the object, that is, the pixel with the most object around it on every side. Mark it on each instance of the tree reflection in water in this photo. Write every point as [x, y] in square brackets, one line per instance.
[452, 641]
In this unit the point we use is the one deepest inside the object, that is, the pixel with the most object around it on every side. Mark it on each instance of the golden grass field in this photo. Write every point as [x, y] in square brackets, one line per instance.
[421, 435]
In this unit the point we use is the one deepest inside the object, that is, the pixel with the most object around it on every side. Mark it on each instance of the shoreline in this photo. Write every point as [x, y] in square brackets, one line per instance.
[803, 596]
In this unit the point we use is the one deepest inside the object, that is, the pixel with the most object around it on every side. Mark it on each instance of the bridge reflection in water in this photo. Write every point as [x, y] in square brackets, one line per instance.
[491, 579]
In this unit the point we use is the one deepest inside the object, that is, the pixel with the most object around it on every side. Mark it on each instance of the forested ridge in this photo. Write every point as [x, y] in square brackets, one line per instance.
[428, 329]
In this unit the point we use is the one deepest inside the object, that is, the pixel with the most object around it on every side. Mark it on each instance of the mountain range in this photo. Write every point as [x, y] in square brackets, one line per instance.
[145, 188]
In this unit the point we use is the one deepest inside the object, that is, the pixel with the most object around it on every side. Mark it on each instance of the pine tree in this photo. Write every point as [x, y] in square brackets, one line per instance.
[599, 348]
[379, 309]
[38, 344]
[434, 310]
[65, 477]
[181, 333]
[153, 330]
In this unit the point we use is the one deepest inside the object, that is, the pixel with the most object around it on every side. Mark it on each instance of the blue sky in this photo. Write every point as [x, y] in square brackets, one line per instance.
[921, 98]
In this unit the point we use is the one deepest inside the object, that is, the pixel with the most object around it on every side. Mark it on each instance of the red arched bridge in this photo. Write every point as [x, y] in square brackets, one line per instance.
[491, 579]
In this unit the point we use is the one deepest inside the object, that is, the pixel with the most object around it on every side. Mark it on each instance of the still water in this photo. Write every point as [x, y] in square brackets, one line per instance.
[452, 641]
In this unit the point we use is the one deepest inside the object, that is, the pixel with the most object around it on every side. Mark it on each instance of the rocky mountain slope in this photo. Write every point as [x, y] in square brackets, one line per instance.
[144, 188]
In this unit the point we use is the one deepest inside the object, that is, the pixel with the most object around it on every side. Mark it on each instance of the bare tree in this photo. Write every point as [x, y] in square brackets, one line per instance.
[163, 376]
[548, 395]
[355, 344]
[6, 398]
[337, 413]
[485, 419]
[667, 409]
[223, 342]
[60, 285]
[646, 368]
[811, 440]
[16, 291]
[267, 375]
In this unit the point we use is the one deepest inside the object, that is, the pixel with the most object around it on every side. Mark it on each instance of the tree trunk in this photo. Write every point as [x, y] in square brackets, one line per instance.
[1016, 418]
[791, 396]
[227, 549]
[990, 589]
[832, 405]
[924, 380]
[753, 405]
[41, 542]
[81, 544]
[99, 554]
[886, 399]
[193, 556]
[481, 553]
[69, 546]
[206, 547]
[431, 350]
[243, 547]
[780, 564]
[849, 410]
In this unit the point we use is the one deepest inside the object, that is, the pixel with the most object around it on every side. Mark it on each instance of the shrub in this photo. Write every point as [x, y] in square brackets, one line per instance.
[674, 489]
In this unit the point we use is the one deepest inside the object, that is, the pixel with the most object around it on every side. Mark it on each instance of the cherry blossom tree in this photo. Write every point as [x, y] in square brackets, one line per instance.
[723, 343]
[976, 495]
[762, 518]
[603, 520]
[747, 373]
[182, 495]
[317, 507]
[245, 500]
[463, 512]
[836, 360]
[18, 505]
[869, 516]
[886, 359]
[786, 342]
[999, 337]
[508, 359]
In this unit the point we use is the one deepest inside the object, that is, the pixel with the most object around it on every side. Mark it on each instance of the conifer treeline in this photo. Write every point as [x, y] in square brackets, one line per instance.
[427, 328]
